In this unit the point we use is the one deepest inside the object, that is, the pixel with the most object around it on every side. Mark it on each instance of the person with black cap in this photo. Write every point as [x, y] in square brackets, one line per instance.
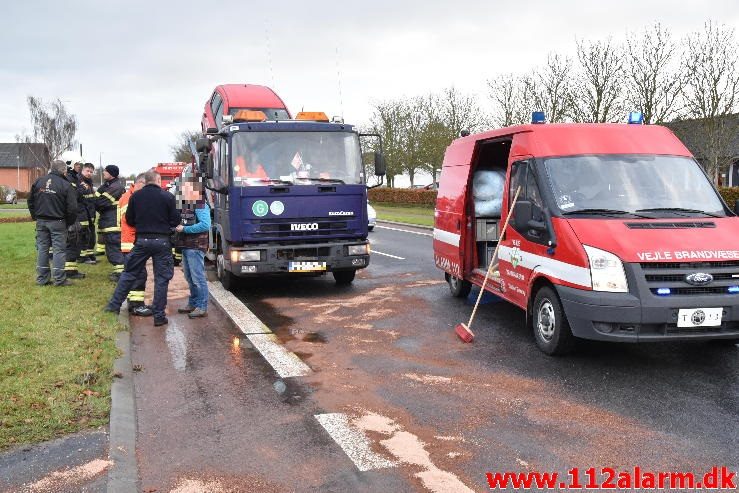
[106, 204]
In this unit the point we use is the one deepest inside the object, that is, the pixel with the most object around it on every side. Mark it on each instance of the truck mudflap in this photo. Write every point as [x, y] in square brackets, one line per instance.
[627, 318]
[314, 258]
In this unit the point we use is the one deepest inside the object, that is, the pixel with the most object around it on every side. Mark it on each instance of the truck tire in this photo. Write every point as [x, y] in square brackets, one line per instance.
[344, 277]
[229, 281]
[551, 329]
[458, 287]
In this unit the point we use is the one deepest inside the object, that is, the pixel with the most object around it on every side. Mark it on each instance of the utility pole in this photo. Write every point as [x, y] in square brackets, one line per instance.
[18, 158]
[100, 162]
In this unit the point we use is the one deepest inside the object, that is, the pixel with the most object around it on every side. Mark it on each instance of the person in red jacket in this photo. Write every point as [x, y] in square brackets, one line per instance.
[135, 297]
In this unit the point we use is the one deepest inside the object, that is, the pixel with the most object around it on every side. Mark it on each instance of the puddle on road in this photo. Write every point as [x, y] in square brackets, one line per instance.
[177, 344]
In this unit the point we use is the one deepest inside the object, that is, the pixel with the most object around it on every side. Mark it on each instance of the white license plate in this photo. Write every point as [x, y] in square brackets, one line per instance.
[699, 317]
[306, 266]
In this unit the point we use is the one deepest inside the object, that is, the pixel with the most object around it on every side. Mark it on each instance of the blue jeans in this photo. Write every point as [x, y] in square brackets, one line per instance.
[160, 251]
[193, 265]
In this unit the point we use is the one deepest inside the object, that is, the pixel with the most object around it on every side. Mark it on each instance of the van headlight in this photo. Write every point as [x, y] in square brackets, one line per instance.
[359, 249]
[606, 271]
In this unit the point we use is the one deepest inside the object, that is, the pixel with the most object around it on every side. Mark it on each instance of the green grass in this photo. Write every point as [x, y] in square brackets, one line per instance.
[19, 205]
[14, 213]
[423, 216]
[56, 346]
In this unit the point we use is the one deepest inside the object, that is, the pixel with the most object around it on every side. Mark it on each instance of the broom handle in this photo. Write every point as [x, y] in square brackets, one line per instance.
[495, 252]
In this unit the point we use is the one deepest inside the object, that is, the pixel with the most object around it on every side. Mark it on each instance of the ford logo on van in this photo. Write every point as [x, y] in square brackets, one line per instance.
[699, 278]
[304, 227]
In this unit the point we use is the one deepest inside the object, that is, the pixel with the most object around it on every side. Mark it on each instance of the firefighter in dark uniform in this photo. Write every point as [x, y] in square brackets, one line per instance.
[74, 243]
[109, 225]
[87, 218]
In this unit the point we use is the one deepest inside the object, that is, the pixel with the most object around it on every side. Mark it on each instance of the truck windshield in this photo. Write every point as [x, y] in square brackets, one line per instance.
[300, 158]
[660, 186]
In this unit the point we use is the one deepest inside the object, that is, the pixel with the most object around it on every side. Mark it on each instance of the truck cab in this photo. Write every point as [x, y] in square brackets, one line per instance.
[617, 233]
[290, 197]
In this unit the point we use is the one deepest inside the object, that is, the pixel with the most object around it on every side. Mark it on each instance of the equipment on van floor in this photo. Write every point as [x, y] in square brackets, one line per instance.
[464, 331]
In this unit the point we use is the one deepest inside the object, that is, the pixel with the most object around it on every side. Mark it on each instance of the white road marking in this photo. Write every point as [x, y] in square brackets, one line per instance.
[404, 230]
[177, 344]
[284, 362]
[388, 255]
[353, 442]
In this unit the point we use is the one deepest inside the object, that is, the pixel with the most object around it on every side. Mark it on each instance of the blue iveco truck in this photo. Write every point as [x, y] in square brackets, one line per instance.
[289, 197]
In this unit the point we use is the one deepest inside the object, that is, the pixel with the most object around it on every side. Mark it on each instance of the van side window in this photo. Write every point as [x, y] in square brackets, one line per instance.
[533, 195]
[215, 107]
[518, 178]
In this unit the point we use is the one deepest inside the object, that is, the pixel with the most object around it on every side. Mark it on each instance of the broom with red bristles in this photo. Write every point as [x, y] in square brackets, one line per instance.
[464, 331]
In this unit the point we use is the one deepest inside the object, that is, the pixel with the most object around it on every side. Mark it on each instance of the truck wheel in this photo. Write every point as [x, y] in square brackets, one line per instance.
[551, 329]
[228, 280]
[458, 287]
[344, 277]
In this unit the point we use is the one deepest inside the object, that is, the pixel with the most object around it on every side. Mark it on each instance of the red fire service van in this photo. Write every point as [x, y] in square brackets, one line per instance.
[169, 172]
[618, 234]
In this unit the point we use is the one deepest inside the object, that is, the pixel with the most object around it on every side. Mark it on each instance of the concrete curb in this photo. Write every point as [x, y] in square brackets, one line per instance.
[123, 475]
[430, 228]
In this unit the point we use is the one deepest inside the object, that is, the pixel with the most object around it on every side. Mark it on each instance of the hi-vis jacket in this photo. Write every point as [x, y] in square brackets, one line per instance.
[106, 203]
[128, 232]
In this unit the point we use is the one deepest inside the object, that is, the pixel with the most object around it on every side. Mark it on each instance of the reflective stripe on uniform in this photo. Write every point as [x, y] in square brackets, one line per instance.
[109, 197]
[126, 247]
[70, 265]
[99, 248]
[136, 296]
[112, 229]
[84, 223]
[118, 269]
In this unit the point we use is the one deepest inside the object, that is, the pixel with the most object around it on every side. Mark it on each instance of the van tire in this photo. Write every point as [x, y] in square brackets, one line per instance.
[551, 329]
[458, 287]
[344, 277]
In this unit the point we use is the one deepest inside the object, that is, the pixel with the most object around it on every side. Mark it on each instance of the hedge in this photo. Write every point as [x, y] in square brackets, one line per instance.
[410, 196]
[730, 195]
[402, 196]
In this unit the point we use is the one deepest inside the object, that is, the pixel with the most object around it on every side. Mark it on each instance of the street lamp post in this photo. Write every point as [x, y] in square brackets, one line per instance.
[18, 159]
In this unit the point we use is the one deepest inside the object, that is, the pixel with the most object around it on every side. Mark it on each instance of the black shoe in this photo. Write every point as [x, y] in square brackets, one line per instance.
[90, 261]
[110, 309]
[65, 282]
[160, 321]
[142, 311]
[114, 277]
[75, 275]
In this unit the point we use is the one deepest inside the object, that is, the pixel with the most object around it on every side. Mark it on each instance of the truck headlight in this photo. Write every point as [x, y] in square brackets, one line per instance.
[246, 255]
[359, 249]
[606, 271]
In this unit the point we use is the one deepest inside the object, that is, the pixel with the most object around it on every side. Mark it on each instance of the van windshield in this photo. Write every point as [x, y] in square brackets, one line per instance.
[271, 113]
[660, 186]
[300, 158]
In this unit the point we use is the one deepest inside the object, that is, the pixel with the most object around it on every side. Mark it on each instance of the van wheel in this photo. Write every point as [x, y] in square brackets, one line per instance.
[551, 329]
[228, 280]
[458, 287]
[344, 277]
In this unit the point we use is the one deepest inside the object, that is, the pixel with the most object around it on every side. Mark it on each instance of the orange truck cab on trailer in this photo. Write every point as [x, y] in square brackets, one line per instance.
[618, 234]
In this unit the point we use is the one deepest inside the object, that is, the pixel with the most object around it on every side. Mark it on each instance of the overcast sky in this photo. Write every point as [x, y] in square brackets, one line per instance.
[136, 74]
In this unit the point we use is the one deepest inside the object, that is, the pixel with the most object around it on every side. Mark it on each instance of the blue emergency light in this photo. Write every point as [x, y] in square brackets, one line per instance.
[733, 289]
[664, 291]
[538, 117]
[636, 118]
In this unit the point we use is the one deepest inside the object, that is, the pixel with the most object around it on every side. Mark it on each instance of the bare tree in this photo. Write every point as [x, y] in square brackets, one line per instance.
[655, 83]
[712, 91]
[599, 87]
[181, 150]
[552, 88]
[52, 125]
[513, 99]
[387, 121]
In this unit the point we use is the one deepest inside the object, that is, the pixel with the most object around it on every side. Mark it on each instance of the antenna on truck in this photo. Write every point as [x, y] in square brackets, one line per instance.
[338, 76]
[269, 53]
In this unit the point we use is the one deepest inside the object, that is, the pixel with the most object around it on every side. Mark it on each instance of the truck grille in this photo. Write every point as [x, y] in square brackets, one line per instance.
[281, 228]
[660, 275]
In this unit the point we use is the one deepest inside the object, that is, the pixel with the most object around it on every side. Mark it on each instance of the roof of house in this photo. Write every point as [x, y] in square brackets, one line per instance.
[692, 134]
[27, 155]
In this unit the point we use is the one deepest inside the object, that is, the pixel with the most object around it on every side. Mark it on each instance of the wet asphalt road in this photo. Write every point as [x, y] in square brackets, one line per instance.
[210, 411]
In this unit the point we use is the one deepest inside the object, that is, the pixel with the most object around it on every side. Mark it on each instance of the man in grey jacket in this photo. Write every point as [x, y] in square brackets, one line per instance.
[53, 205]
